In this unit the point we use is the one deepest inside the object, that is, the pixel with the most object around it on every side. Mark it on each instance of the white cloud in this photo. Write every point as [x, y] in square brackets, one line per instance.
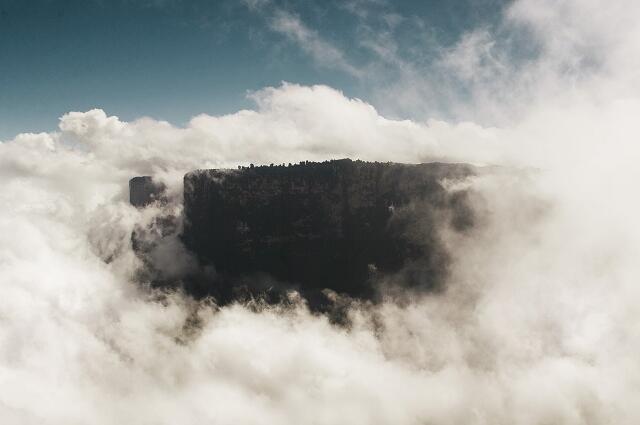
[323, 53]
[539, 323]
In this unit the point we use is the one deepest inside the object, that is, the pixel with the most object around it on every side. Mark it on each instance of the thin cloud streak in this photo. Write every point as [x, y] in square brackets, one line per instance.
[322, 52]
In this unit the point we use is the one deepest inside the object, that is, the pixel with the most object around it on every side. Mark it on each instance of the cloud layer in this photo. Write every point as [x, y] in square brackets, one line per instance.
[539, 322]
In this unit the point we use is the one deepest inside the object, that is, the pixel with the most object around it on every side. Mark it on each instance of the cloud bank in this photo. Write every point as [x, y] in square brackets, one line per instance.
[539, 322]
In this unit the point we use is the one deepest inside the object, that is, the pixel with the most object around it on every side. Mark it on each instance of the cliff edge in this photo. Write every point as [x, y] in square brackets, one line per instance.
[338, 224]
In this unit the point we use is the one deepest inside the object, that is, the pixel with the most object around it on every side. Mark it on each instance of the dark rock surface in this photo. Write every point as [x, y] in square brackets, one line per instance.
[144, 191]
[339, 224]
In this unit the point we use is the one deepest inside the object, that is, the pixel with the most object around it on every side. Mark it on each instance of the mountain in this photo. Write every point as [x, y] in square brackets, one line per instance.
[341, 225]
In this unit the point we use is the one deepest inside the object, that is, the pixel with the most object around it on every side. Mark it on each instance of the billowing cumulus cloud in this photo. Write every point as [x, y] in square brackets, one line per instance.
[538, 322]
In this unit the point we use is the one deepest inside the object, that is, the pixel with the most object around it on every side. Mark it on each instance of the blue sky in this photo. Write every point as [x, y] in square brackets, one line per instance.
[173, 59]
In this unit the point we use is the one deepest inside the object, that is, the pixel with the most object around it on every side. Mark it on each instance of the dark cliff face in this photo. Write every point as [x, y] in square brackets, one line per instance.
[340, 225]
[144, 191]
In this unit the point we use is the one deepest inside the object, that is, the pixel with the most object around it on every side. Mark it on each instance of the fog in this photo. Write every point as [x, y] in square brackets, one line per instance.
[539, 320]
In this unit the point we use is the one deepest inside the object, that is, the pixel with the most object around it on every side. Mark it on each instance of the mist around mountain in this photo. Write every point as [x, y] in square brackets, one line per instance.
[536, 320]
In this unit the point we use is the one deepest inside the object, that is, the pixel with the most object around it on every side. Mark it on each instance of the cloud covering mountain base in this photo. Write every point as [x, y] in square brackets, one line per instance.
[539, 322]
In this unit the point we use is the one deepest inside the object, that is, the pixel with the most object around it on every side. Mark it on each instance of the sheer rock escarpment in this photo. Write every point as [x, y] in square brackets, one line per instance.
[340, 225]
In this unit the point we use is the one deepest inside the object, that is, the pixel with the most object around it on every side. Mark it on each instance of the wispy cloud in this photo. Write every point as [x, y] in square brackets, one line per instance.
[323, 52]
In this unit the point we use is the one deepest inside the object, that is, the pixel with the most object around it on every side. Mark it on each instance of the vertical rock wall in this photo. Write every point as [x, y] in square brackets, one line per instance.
[143, 191]
[336, 224]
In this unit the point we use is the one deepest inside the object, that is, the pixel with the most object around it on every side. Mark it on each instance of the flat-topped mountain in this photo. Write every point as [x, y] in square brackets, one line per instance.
[337, 224]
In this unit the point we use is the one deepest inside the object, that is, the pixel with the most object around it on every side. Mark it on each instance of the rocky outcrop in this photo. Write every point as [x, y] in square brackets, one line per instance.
[337, 224]
[144, 191]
